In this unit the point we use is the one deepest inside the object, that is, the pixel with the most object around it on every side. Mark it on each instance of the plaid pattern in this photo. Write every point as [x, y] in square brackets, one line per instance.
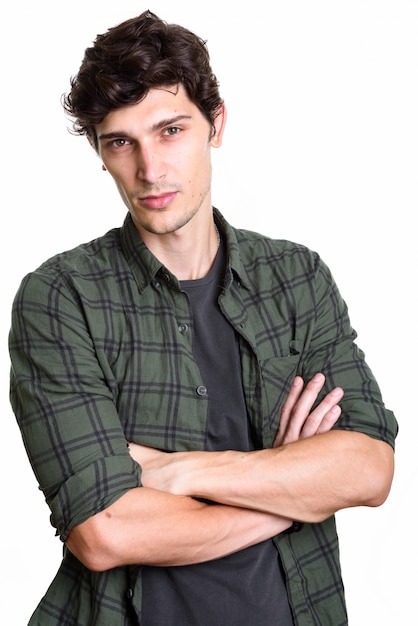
[101, 349]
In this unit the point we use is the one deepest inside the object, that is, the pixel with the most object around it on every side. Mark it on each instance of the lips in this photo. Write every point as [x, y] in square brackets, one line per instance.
[158, 202]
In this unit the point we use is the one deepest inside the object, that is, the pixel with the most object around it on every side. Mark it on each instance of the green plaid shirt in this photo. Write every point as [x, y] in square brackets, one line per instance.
[101, 349]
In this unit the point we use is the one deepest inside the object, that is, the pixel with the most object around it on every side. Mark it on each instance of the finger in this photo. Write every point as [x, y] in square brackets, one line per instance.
[294, 394]
[324, 416]
[144, 454]
[329, 420]
[309, 396]
[288, 406]
[302, 408]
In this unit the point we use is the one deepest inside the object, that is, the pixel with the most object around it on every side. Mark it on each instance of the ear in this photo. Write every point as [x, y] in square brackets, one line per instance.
[219, 125]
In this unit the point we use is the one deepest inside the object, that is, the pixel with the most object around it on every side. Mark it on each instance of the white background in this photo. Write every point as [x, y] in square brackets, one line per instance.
[321, 148]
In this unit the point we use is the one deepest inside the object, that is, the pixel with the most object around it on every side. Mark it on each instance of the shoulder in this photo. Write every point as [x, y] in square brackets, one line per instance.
[254, 246]
[89, 262]
[277, 259]
[252, 242]
[96, 253]
[263, 261]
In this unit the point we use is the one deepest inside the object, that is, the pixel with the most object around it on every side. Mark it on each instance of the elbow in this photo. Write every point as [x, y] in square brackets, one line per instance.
[380, 472]
[366, 469]
[87, 543]
[381, 490]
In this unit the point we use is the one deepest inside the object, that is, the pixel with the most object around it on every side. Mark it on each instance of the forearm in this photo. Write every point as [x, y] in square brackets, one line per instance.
[150, 527]
[307, 480]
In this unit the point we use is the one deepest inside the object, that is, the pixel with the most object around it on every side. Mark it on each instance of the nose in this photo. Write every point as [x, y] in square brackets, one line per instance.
[150, 164]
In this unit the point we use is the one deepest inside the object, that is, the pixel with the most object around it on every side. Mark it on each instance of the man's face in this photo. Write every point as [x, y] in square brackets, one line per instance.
[158, 153]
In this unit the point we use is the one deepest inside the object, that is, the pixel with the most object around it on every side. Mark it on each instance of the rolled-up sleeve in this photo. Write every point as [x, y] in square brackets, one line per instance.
[333, 351]
[64, 403]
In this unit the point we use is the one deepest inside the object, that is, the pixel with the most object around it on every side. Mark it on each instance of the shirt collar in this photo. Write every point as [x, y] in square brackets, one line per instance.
[235, 267]
[146, 267]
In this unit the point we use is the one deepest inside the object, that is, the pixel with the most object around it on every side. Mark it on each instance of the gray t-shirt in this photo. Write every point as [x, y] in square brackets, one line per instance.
[246, 588]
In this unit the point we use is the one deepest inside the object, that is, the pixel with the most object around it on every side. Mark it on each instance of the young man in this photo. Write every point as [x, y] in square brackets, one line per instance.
[158, 378]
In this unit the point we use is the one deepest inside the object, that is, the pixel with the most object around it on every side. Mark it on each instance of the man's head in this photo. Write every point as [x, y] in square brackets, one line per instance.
[128, 60]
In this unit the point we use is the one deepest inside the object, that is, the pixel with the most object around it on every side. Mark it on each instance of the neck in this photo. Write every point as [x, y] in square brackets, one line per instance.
[187, 253]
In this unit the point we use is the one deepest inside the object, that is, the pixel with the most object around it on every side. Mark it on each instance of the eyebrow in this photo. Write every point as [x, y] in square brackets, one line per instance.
[155, 127]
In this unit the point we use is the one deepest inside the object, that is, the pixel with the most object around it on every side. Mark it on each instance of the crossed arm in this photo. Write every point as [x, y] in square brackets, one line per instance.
[309, 474]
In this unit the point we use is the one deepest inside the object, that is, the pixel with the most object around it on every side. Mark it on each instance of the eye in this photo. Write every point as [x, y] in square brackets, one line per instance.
[118, 143]
[172, 130]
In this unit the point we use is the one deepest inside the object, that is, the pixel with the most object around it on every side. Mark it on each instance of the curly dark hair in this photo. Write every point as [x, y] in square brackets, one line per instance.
[130, 59]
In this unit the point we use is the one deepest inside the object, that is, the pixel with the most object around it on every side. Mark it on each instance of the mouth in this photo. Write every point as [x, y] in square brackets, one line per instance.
[160, 201]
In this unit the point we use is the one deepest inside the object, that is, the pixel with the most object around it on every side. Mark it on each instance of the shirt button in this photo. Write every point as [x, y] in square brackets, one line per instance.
[201, 390]
[296, 527]
[183, 328]
[129, 594]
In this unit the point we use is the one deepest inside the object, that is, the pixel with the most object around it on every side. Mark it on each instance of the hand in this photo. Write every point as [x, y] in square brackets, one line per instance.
[297, 421]
[146, 456]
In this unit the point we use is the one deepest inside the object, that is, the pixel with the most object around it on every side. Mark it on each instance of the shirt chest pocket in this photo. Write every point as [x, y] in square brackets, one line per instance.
[276, 377]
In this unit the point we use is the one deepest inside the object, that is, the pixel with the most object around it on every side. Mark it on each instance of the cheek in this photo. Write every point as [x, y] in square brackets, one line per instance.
[199, 168]
[123, 193]
[122, 174]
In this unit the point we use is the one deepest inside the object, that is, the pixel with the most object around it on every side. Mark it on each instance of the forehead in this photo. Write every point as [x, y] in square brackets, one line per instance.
[159, 106]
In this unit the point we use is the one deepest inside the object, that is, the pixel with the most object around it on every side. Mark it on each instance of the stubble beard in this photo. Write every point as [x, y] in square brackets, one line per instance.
[178, 221]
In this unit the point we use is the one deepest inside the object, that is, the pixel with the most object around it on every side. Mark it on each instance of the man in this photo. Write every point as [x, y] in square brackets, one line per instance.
[158, 378]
